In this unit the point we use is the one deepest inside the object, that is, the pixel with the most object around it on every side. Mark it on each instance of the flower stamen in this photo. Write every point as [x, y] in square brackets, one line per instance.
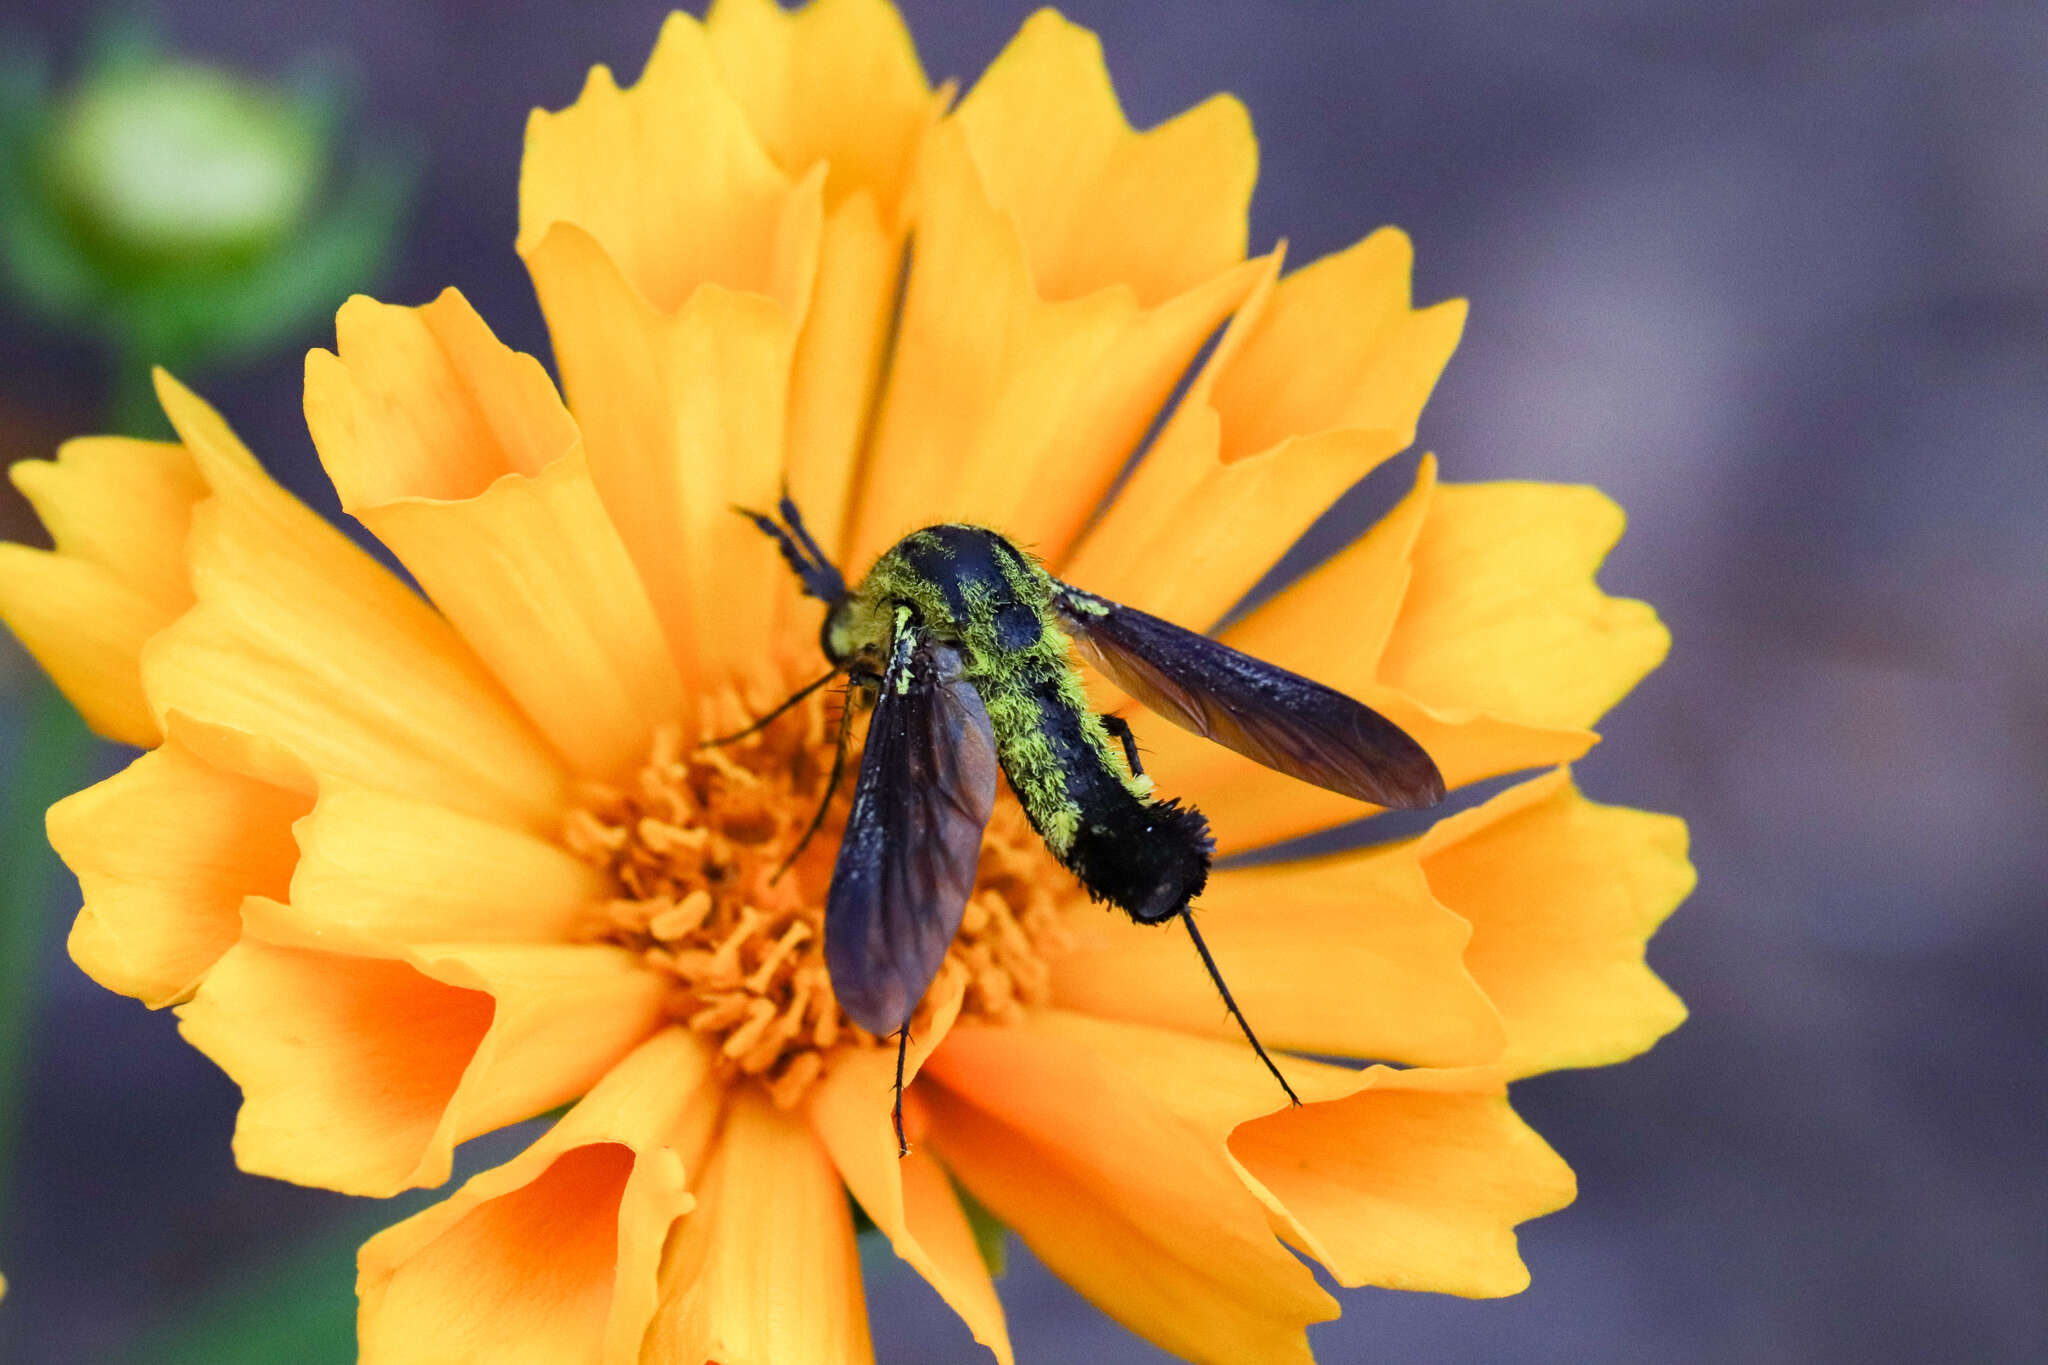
[693, 845]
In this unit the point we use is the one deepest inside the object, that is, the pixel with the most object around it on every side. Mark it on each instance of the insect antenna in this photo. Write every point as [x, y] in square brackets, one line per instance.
[1187, 917]
[820, 579]
[764, 721]
[794, 520]
[831, 785]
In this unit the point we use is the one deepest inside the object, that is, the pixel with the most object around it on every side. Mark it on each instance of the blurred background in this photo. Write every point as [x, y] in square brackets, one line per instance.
[1775, 275]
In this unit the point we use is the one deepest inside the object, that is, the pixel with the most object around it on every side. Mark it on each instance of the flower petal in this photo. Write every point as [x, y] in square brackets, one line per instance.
[1180, 456]
[403, 871]
[455, 452]
[1348, 955]
[1335, 347]
[362, 1064]
[118, 510]
[1415, 1182]
[1339, 346]
[839, 361]
[1408, 1179]
[1005, 406]
[1502, 615]
[425, 403]
[1095, 203]
[764, 1271]
[1372, 585]
[667, 177]
[1118, 1197]
[165, 851]
[1562, 894]
[683, 417]
[837, 81]
[305, 657]
[1207, 551]
[908, 1198]
[554, 1256]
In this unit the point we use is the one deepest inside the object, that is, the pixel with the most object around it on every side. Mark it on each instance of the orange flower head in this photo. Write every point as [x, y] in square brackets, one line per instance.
[412, 866]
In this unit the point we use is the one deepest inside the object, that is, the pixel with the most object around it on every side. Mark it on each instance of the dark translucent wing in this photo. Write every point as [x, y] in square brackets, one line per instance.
[907, 861]
[1261, 710]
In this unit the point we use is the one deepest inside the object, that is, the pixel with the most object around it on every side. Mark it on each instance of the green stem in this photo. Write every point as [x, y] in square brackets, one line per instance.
[55, 747]
[132, 409]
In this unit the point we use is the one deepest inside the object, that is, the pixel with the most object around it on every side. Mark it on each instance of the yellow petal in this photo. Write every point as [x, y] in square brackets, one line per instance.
[1502, 615]
[1415, 1182]
[1368, 586]
[455, 452]
[426, 403]
[1119, 1198]
[1334, 348]
[1409, 1179]
[118, 510]
[1004, 406]
[1562, 894]
[1338, 346]
[303, 656]
[165, 852]
[1095, 203]
[121, 504]
[1208, 551]
[554, 1256]
[764, 1271]
[391, 868]
[667, 177]
[363, 1064]
[839, 361]
[837, 81]
[1348, 956]
[1111, 557]
[908, 1198]
[683, 418]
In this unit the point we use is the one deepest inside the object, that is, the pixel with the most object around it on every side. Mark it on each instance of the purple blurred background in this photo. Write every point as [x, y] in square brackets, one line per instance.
[1775, 275]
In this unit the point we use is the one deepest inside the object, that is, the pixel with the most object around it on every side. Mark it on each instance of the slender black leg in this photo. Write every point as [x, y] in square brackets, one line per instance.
[1121, 729]
[831, 786]
[1187, 918]
[902, 1047]
[763, 723]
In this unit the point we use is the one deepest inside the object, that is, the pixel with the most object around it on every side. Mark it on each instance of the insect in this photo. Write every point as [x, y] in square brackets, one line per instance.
[962, 642]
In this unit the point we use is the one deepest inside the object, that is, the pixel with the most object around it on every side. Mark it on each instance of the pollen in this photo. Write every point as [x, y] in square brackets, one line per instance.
[695, 847]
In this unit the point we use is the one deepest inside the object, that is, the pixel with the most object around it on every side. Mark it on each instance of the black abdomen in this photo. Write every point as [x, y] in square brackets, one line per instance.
[1149, 858]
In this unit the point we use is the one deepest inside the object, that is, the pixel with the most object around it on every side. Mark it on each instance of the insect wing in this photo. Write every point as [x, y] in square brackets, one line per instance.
[913, 838]
[1269, 715]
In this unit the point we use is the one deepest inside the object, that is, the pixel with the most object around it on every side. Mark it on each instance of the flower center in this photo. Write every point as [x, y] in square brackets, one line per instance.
[694, 845]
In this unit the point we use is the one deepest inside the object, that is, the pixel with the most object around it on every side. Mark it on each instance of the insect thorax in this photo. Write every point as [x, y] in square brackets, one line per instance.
[970, 587]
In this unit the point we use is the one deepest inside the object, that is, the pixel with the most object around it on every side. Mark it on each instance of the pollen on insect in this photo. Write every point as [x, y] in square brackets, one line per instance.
[692, 846]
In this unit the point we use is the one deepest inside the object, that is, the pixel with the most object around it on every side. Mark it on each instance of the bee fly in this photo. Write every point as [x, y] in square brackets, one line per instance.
[961, 641]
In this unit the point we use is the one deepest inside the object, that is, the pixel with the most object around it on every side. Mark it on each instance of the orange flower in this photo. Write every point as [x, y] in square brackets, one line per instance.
[412, 872]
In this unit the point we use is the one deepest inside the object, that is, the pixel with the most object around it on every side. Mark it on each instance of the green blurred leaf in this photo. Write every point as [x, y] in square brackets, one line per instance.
[991, 1234]
[227, 315]
[50, 762]
[300, 1307]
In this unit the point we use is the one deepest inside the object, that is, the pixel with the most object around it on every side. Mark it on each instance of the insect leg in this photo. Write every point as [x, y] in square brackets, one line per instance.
[764, 721]
[831, 782]
[1121, 729]
[902, 1046]
[1187, 917]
